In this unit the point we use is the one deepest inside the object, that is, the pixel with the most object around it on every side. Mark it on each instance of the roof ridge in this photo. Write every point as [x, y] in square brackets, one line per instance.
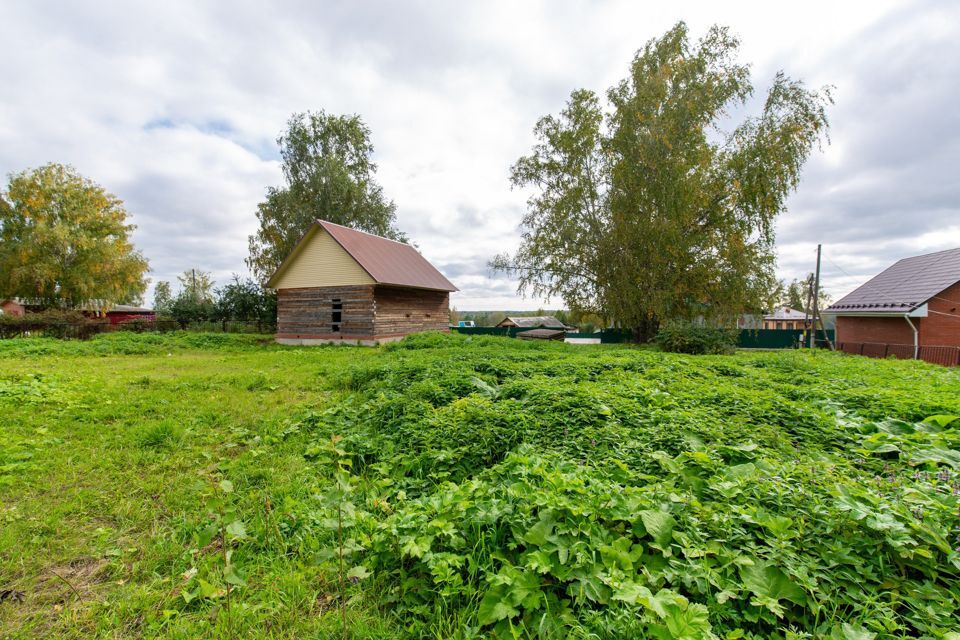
[927, 255]
[343, 226]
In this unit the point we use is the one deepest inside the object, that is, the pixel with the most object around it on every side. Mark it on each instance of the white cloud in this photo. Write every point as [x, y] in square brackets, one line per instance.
[175, 107]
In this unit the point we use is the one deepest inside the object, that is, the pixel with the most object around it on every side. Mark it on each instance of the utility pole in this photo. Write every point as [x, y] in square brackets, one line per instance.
[816, 295]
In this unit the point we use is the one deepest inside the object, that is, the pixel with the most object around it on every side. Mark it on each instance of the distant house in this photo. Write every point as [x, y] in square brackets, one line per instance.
[12, 307]
[785, 318]
[543, 334]
[533, 322]
[343, 285]
[914, 304]
[121, 313]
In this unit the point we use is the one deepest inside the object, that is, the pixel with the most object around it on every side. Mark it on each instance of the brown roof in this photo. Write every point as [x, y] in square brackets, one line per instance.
[904, 286]
[387, 261]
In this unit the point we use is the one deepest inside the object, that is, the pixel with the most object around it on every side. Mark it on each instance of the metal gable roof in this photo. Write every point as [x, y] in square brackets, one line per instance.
[387, 261]
[904, 286]
[786, 313]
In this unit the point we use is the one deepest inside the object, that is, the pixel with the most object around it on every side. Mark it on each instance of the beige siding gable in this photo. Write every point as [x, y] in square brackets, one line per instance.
[320, 261]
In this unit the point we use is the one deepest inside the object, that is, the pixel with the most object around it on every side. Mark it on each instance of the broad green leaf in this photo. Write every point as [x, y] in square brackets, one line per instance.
[358, 572]
[770, 585]
[226, 486]
[232, 576]
[690, 623]
[237, 529]
[659, 524]
[941, 420]
[207, 590]
[538, 533]
[848, 631]
[495, 606]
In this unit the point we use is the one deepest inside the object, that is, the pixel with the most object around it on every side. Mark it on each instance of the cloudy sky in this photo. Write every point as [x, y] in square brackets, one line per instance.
[175, 108]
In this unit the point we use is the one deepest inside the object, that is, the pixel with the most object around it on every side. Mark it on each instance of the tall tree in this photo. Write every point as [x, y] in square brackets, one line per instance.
[329, 175]
[649, 209]
[197, 285]
[794, 294]
[64, 241]
[162, 298]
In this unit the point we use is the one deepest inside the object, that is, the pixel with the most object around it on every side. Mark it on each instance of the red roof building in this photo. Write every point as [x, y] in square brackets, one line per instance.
[344, 285]
[912, 310]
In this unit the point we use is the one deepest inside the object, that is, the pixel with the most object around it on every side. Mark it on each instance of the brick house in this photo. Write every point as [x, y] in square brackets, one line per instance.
[343, 285]
[911, 310]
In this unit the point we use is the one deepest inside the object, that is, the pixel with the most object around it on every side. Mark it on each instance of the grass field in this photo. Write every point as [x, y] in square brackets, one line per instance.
[218, 486]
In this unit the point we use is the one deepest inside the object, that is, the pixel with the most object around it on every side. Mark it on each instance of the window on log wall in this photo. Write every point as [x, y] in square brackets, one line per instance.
[337, 314]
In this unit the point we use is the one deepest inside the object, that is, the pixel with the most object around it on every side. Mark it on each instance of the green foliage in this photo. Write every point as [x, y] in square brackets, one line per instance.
[648, 209]
[329, 176]
[162, 298]
[697, 339]
[64, 241]
[245, 300]
[468, 486]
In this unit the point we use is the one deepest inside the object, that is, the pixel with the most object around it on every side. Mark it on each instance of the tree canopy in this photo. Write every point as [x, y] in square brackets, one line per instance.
[656, 206]
[329, 175]
[64, 241]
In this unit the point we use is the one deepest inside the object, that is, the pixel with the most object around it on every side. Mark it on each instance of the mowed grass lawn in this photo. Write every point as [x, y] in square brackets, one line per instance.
[183, 486]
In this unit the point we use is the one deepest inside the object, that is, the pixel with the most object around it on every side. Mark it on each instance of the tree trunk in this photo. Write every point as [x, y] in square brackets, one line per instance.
[646, 329]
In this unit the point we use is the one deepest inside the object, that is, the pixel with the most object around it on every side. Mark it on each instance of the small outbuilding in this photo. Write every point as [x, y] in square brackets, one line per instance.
[123, 313]
[912, 310]
[344, 285]
[533, 322]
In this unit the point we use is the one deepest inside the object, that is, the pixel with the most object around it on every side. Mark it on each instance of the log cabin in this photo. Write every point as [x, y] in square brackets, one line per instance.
[347, 286]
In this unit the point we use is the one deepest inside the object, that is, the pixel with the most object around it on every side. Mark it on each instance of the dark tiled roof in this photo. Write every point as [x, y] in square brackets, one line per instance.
[388, 261]
[904, 286]
[542, 334]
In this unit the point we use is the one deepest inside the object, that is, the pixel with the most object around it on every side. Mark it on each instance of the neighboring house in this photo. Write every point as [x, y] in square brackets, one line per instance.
[533, 322]
[121, 313]
[915, 304]
[12, 307]
[786, 318]
[343, 285]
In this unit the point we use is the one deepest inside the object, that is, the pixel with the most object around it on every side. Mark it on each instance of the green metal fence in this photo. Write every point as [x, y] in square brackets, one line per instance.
[777, 338]
[749, 338]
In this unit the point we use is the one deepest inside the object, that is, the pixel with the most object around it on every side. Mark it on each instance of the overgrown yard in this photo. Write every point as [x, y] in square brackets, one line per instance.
[192, 486]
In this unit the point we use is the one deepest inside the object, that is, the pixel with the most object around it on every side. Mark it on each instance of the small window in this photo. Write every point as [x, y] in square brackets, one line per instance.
[337, 314]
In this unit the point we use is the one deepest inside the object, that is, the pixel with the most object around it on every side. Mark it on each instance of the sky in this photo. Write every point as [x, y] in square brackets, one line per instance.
[175, 107]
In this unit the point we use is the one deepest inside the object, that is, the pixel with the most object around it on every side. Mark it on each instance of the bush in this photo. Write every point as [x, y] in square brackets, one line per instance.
[696, 339]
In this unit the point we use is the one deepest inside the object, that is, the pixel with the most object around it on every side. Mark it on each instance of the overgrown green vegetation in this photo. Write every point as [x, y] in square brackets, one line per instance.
[692, 338]
[186, 485]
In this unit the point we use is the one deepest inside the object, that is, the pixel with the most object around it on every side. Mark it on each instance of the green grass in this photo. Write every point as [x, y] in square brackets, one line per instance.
[486, 486]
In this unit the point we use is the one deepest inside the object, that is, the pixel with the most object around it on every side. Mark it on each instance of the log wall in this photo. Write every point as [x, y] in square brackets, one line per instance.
[403, 311]
[308, 313]
[369, 312]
